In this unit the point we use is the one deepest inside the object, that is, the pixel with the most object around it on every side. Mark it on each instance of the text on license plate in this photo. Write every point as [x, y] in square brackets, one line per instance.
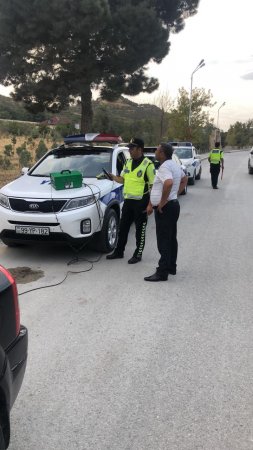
[42, 231]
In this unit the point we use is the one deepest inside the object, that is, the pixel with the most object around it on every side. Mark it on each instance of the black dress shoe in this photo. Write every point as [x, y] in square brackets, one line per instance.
[134, 260]
[156, 277]
[115, 255]
[215, 187]
[172, 271]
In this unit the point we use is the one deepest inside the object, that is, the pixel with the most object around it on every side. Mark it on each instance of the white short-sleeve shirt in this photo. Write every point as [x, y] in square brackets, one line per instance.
[169, 170]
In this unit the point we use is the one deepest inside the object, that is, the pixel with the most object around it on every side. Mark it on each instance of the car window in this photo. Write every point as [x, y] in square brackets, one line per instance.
[183, 152]
[120, 162]
[90, 164]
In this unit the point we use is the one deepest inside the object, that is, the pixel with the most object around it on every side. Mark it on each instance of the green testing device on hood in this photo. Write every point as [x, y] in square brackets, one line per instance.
[66, 179]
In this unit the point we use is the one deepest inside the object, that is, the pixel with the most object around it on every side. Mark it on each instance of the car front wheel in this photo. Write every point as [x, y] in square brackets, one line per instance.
[192, 179]
[106, 239]
[199, 174]
[250, 169]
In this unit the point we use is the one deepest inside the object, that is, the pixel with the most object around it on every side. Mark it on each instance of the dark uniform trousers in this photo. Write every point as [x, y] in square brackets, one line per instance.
[214, 171]
[166, 234]
[133, 211]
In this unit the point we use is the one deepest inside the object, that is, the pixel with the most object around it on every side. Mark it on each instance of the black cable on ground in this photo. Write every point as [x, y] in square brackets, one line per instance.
[60, 282]
[76, 259]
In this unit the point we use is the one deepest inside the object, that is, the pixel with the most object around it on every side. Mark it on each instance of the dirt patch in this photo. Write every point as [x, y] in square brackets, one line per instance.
[25, 274]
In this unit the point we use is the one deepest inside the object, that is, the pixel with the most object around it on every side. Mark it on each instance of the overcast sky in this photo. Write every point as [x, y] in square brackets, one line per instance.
[221, 33]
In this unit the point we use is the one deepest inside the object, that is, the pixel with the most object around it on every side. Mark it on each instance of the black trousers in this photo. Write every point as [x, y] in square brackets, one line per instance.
[214, 170]
[133, 211]
[166, 235]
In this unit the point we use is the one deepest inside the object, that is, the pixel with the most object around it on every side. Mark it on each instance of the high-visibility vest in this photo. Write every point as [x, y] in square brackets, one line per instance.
[215, 156]
[134, 182]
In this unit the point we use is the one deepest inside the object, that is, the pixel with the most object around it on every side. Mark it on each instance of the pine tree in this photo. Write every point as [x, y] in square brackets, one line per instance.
[55, 51]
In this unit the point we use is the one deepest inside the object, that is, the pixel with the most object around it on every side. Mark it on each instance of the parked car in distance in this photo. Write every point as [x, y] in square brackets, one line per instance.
[250, 162]
[33, 210]
[191, 160]
[13, 352]
[149, 152]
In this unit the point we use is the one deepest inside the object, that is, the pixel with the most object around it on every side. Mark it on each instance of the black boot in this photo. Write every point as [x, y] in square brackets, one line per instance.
[115, 255]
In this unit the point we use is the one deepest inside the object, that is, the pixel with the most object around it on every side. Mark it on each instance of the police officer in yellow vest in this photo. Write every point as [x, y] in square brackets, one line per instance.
[137, 176]
[216, 161]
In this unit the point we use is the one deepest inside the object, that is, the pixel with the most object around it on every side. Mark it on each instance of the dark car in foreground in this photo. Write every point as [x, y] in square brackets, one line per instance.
[13, 352]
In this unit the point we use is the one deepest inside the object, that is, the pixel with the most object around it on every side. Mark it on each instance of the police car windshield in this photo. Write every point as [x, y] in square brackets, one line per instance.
[89, 162]
[183, 152]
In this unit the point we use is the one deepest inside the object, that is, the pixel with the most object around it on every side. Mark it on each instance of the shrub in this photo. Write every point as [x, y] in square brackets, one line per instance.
[25, 157]
[41, 150]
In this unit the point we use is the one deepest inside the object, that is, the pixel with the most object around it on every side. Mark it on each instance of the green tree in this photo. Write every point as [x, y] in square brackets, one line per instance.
[14, 141]
[179, 116]
[165, 104]
[5, 162]
[20, 149]
[30, 142]
[240, 134]
[25, 157]
[8, 150]
[55, 51]
[35, 133]
[41, 150]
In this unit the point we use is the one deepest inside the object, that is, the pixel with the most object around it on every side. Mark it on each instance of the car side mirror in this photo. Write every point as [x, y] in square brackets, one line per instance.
[101, 176]
[24, 170]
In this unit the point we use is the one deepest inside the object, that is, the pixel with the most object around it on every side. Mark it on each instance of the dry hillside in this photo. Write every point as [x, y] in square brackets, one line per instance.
[7, 175]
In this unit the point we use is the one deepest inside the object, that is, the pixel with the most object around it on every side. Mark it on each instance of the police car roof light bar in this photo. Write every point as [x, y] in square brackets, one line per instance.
[181, 144]
[92, 137]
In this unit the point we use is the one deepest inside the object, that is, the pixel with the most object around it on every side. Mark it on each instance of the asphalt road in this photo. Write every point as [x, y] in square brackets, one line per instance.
[116, 363]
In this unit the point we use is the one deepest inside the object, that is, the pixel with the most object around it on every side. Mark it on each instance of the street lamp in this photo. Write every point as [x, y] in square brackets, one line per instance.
[201, 64]
[223, 104]
[218, 134]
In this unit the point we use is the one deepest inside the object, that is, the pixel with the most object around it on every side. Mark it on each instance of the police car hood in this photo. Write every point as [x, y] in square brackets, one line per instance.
[28, 186]
[187, 161]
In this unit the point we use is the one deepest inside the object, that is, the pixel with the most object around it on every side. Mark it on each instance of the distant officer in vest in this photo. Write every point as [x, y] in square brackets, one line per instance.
[137, 176]
[216, 161]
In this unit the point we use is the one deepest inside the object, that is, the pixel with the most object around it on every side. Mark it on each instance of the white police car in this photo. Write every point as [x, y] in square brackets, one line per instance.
[186, 152]
[32, 210]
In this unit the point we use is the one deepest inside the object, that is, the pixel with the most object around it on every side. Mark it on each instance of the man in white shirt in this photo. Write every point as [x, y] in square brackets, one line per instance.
[169, 182]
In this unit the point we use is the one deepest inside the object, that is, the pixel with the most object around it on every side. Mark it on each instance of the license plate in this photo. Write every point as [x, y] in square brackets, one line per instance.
[41, 231]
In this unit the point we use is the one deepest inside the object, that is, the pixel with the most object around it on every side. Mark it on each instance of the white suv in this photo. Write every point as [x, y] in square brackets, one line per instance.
[32, 210]
[250, 162]
[192, 162]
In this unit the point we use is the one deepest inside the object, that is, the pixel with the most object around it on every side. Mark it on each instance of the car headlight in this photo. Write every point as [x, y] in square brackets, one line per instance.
[4, 201]
[80, 202]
